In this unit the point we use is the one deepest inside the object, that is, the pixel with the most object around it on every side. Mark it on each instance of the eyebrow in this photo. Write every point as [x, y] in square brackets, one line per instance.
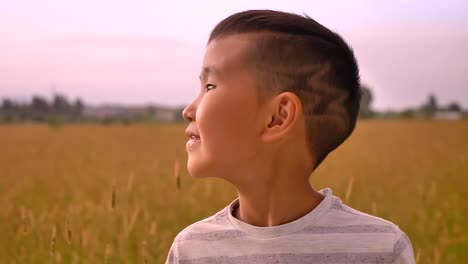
[207, 70]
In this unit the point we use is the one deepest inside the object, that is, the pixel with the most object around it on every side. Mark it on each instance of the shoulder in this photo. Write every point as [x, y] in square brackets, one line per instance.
[384, 233]
[199, 235]
[207, 229]
[343, 214]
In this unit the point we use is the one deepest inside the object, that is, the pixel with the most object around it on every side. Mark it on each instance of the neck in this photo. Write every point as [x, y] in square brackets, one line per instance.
[276, 200]
[274, 188]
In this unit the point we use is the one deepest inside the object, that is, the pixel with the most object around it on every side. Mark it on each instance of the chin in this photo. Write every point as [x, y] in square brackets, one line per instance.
[197, 168]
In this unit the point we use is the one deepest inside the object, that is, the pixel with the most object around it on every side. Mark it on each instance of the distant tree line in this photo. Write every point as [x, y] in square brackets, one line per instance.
[62, 110]
[365, 109]
[59, 109]
[428, 109]
[39, 109]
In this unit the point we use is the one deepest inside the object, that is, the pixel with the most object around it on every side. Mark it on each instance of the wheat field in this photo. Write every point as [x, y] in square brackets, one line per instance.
[120, 193]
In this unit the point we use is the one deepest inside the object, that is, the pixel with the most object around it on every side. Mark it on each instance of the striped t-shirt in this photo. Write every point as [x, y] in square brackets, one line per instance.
[331, 233]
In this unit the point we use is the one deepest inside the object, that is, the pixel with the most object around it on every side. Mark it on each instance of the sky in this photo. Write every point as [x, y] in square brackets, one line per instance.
[141, 52]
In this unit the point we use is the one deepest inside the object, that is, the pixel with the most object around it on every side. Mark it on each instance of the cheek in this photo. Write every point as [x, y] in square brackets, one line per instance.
[215, 125]
[226, 127]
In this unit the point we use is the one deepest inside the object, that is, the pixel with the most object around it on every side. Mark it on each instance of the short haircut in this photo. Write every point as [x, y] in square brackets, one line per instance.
[295, 53]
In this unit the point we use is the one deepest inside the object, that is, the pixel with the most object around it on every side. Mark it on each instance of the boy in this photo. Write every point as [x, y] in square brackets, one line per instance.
[279, 92]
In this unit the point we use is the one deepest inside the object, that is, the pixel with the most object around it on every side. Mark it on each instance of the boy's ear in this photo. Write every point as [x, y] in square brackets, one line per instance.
[281, 116]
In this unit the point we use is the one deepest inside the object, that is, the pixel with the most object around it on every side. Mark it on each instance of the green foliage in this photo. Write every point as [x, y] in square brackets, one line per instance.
[59, 110]
[365, 108]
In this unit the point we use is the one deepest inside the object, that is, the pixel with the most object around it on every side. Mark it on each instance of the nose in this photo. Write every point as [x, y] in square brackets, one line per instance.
[189, 112]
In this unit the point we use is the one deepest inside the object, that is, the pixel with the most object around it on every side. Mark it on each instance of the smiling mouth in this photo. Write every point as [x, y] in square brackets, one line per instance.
[193, 140]
[193, 137]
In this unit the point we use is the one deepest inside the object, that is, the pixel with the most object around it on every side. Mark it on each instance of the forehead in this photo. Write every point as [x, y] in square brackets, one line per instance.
[227, 53]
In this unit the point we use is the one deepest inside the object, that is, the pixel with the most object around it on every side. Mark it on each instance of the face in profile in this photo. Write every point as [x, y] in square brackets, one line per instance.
[224, 117]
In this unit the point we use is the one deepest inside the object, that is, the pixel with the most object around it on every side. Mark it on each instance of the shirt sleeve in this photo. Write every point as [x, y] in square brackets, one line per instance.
[403, 250]
[173, 255]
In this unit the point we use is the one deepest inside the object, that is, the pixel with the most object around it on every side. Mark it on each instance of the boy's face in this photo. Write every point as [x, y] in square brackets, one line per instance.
[225, 114]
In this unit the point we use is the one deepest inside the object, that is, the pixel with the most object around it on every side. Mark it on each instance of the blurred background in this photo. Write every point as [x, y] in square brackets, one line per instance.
[92, 148]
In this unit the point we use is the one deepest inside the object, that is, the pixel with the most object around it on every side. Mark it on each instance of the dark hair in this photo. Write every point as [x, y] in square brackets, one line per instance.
[295, 53]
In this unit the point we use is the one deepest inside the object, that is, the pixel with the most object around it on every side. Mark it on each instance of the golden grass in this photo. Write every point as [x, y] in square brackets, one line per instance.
[94, 194]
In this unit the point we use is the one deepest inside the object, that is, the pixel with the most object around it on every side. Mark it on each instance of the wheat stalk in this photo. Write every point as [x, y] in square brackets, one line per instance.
[58, 257]
[113, 198]
[130, 181]
[107, 253]
[418, 255]
[349, 189]
[153, 227]
[52, 242]
[24, 220]
[374, 208]
[177, 173]
[144, 256]
[84, 239]
[76, 258]
[69, 232]
[130, 221]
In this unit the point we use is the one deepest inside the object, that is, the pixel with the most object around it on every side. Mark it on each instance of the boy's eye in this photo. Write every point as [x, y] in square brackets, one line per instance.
[209, 86]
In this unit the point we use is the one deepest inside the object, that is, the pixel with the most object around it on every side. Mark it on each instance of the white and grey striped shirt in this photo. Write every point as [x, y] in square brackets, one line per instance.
[331, 233]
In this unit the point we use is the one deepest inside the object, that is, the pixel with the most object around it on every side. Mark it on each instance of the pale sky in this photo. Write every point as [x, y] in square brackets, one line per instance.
[141, 51]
